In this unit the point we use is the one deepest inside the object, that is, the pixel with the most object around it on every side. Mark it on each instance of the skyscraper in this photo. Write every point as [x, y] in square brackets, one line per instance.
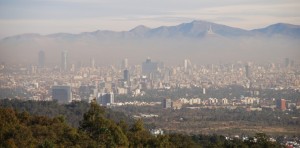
[41, 58]
[64, 60]
[287, 62]
[292, 62]
[124, 63]
[166, 76]
[126, 75]
[92, 63]
[149, 67]
[185, 64]
[63, 94]
[247, 71]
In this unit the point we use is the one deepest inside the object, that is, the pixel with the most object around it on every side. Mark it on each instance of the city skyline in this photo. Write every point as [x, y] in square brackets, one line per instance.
[136, 73]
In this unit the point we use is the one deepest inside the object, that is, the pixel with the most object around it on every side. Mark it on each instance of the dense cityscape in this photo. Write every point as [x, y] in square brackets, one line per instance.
[86, 82]
[157, 93]
[149, 74]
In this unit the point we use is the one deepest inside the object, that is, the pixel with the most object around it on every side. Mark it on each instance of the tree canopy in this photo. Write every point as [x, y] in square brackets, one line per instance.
[21, 129]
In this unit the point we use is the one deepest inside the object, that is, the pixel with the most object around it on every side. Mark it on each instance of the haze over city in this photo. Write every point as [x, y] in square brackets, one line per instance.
[77, 26]
[135, 73]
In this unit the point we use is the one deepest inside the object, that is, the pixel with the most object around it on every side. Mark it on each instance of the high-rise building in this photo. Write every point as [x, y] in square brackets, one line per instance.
[149, 67]
[281, 104]
[106, 99]
[126, 75]
[63, 94]
[64, 60]
[41, 59]
[85, 91]
[287, 62]
[187, 65]
[124, 63]
[167, 103]
[247, 71]
[166, 76]
[292, 63]
[92, 63]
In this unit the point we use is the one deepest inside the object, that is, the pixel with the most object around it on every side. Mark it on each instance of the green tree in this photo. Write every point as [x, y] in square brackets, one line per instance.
[162, 141]
[46, 144]
[124, 126]
[24, 130]
[12, 132]
[138, 135]
[104, 131]
[182, 141]
[263, 141]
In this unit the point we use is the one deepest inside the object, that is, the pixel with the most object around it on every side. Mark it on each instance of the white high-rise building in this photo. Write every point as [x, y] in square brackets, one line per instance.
[64, 60]
[124, 63]
[93, 63]
[185, 62]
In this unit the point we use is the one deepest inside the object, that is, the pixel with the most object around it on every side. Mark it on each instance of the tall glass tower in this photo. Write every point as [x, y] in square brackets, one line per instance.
[64, 60]
[41, 58]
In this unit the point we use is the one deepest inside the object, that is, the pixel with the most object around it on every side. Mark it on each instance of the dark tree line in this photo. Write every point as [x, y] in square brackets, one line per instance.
[21, 129]
[73, 112]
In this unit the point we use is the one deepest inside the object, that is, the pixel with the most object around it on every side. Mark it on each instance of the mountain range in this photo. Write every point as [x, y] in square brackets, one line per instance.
[195, 29]
[200, 41]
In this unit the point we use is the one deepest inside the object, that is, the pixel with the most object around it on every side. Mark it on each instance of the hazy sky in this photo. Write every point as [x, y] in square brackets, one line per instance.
[75, 16]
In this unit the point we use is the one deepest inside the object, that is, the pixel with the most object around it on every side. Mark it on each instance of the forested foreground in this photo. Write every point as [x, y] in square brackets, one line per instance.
[21, 129]
[72, 112]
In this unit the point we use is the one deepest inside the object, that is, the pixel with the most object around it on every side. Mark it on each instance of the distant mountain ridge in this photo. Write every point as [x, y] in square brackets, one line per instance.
[280, 29]
[194, 29]
[199, 41]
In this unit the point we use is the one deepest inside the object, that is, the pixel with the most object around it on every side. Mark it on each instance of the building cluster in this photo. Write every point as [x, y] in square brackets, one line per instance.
[72, 82]
[249, 103]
